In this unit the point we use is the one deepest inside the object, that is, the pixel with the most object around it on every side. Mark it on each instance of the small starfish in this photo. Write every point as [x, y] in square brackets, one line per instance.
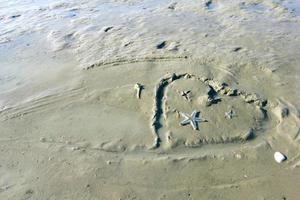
[230, 114]
[185, 94]
[191, 119]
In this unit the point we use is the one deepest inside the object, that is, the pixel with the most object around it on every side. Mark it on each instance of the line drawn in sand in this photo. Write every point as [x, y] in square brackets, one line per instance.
[213, 97]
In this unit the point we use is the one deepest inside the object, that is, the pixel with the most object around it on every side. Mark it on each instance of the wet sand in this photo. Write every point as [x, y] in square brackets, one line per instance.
[93, 95]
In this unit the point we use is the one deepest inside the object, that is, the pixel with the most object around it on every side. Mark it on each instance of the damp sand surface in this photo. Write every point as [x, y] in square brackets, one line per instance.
[93, 95]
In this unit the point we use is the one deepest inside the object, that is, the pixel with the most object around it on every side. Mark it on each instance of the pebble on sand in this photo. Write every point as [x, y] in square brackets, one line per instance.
[279, 157]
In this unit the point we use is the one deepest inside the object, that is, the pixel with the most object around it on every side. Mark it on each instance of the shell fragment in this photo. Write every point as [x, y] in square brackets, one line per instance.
[279, 157]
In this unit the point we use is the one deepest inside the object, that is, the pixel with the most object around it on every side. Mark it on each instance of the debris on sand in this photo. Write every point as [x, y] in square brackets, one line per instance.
[42, 139]
[161, 45]
[172, 6]
[106, 29]
[213, 97]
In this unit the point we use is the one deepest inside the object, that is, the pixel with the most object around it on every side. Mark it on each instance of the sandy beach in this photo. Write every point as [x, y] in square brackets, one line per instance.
[149, 99]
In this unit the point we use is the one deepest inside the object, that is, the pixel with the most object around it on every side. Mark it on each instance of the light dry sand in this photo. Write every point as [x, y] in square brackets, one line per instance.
[72, 125]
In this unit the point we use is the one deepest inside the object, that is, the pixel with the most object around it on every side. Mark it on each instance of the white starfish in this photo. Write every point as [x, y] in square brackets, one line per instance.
[230, 114]
[192, 119]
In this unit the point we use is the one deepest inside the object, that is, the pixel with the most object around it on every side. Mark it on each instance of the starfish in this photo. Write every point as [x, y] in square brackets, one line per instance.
[185, 94]
[230, 114]
[191, 119]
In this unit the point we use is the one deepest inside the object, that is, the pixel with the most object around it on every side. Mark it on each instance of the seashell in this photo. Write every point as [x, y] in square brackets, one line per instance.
[279, 157]
[138, 87]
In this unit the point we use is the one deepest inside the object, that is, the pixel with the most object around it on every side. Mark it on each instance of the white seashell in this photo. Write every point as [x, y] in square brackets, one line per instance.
[138, 87]
[279, 157]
